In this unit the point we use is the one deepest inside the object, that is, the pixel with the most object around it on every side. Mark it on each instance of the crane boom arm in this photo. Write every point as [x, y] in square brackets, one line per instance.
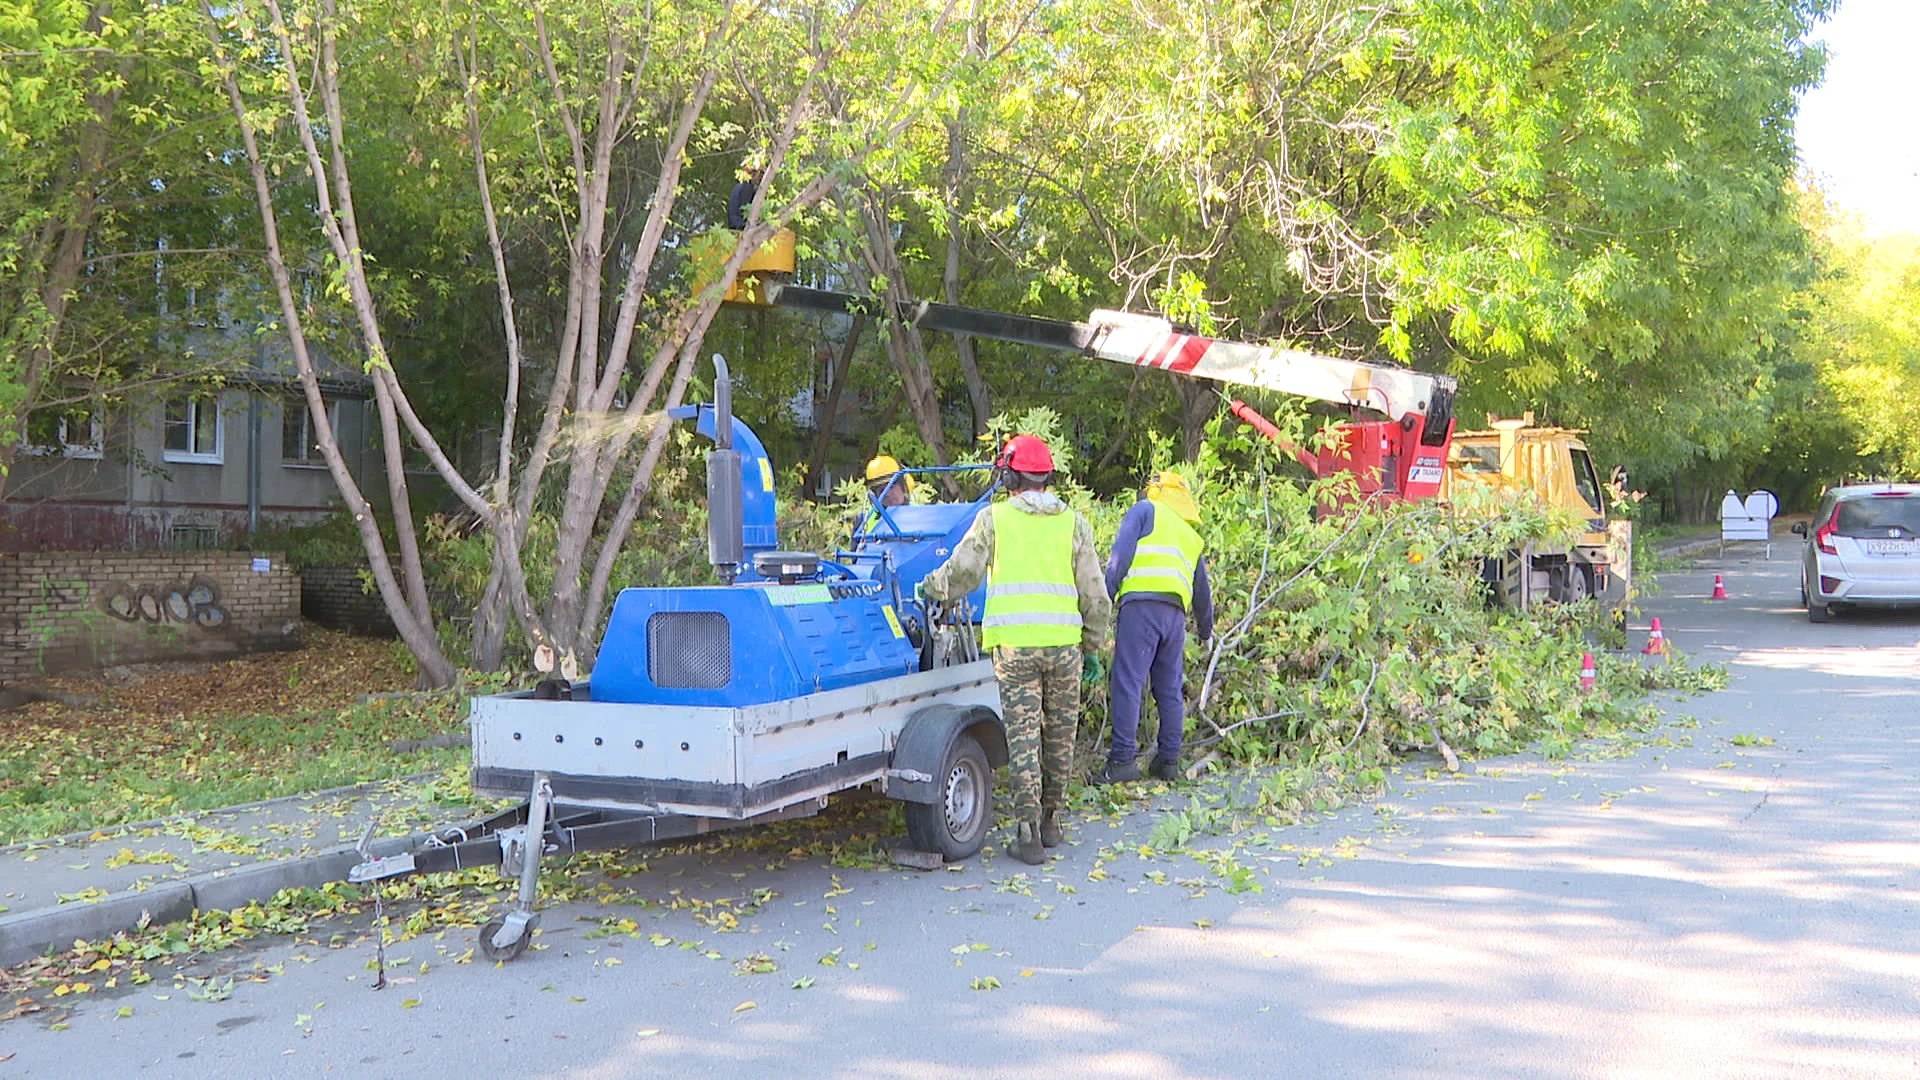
[1151, 342]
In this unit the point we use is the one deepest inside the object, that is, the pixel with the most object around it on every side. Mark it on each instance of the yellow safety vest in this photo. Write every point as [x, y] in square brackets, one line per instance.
[1164, 560]
[1031, 599]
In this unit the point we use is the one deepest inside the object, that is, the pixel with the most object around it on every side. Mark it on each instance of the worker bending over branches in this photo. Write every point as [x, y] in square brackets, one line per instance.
[1157, 573]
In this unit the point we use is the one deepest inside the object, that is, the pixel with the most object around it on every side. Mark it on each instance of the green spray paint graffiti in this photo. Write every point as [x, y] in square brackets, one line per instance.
[63, 609]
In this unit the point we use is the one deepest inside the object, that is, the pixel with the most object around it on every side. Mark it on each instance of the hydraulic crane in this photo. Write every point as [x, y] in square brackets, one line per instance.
[1403, 456]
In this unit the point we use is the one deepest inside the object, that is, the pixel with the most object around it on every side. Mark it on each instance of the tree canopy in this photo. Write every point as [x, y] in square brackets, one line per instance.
[1583, 208]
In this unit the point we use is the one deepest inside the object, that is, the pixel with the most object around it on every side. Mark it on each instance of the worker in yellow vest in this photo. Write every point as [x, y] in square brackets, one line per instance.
[1046, 617]
[887, 487]
[1157, 573]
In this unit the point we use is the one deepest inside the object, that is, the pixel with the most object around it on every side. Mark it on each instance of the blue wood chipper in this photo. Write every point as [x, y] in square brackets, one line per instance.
[747, 702]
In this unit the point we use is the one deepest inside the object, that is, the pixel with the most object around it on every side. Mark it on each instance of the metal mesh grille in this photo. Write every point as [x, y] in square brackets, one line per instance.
[689, 650]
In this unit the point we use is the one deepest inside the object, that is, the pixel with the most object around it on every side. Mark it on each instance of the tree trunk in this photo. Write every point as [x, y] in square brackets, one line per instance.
[950, 279]
[1198, 403]
[68, 242]
[904, 346]
[435, 668]
[490, 617]
[823, 439]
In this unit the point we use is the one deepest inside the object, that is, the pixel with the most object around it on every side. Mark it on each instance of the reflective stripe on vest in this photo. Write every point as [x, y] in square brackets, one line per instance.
[1165, 558]
[1031, 598]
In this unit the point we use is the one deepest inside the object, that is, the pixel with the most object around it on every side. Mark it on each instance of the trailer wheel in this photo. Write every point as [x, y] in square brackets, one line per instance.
[955, 824]
[493, 952]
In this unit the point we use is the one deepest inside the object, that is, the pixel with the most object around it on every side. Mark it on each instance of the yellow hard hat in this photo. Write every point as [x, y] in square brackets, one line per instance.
[883, 468]
[1171, 489]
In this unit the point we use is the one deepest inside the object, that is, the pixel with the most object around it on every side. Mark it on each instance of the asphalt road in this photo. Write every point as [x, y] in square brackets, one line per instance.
[1674, 905]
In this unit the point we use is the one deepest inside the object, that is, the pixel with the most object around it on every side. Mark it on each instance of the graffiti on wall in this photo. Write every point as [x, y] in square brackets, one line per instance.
[61, 605]
[61, 610]
[193, 603]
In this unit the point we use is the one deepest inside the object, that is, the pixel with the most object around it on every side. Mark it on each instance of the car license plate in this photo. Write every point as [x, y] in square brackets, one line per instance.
[1893, 547]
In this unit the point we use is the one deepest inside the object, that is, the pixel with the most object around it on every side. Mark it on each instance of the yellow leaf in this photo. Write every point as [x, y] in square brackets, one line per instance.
[410, 1003]
[745, 1005]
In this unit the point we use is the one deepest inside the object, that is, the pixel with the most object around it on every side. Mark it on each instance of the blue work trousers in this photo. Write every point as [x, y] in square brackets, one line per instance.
[1149, 645]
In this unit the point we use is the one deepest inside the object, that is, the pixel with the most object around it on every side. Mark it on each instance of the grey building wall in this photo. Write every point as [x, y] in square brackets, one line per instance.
[138, 495]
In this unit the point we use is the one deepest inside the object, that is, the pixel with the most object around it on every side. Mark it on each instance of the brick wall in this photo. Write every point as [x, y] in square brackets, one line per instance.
[332, 596]
[65, 611]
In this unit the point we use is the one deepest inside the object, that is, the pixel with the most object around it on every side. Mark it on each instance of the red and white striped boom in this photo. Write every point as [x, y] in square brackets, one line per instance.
[1152, 342]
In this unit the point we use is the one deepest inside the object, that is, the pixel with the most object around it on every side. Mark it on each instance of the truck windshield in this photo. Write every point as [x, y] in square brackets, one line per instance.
[1478, 458]
[1880, 516]
[1587, 480]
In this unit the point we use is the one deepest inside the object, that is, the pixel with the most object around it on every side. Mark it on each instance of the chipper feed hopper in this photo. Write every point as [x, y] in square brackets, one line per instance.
[745, 702]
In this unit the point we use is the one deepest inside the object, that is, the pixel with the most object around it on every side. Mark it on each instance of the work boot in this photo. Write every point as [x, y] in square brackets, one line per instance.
[1164, 768]
[1026, 845]
[1050, 830]
[1116, 772]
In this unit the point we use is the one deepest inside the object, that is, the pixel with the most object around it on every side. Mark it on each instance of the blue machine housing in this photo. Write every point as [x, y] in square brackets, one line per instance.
[749, 644]
[901, 545]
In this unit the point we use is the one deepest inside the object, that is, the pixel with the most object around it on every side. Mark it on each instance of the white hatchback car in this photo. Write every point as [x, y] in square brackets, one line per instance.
[1863, 549]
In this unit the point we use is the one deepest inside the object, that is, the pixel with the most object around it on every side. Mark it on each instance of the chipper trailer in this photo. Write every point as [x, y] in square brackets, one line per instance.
[751, 701]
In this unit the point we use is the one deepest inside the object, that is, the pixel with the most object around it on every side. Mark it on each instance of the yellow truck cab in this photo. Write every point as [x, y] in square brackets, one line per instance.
[1554, 464]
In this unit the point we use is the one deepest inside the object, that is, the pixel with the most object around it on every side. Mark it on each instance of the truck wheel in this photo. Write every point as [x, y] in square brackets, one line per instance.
[955, 824]
[1573, 585]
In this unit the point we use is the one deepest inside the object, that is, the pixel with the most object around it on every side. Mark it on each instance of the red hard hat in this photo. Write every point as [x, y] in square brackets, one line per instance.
[1027, 454]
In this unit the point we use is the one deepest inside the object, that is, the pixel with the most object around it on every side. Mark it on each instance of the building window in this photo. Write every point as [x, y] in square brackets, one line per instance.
[71, 431]
[193, 538]
[193, 431]
[299, 436]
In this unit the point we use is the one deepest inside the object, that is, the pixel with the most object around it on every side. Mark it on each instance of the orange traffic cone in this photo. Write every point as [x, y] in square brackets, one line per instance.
[1656, 641]
[1586, 672]
[1719, 589]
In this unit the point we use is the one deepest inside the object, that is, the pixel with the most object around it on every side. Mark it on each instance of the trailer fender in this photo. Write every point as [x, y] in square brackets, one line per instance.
[920, 754]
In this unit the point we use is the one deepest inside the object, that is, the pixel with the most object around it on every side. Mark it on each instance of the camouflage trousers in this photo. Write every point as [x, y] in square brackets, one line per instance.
[1040, 699]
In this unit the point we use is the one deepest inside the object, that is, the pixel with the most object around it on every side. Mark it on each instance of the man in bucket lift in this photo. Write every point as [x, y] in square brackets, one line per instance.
[1046, 616]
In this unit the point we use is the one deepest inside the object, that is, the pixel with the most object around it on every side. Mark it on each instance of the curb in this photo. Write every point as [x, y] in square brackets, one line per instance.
[31, 933]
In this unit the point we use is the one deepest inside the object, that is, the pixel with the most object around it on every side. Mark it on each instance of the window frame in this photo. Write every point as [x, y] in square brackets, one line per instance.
[308, 443]
[190, 456]
[92, 450]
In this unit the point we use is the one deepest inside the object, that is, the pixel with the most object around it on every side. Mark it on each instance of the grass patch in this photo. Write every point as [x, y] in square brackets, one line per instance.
[198, 737]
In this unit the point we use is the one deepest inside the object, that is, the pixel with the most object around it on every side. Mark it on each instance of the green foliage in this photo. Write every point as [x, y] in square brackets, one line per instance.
[1346, 634]
[330, 541]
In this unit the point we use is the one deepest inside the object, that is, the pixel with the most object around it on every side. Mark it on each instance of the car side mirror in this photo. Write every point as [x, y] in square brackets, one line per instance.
[1799, 528]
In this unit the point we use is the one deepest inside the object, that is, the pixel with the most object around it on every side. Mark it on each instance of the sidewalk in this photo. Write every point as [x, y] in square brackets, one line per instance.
[1707, 542]
[91, 885]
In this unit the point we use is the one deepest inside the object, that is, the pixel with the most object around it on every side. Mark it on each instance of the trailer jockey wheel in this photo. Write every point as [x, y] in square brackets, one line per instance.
[494, 952]
[955, 824]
